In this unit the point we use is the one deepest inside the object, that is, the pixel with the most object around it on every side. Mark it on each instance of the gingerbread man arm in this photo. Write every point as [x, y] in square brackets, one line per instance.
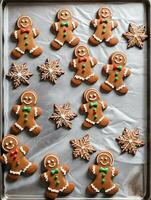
[24, 149]
[115, 171]
[73, 64]
[74, 24]
[93, 61]
[44, 177]
[64, 169]
[127, 72]
[94, 22]
[104, 104]
[106, 69]
[16, 109]
[114, 24]
[38, 111]
[55, 27]
[4, 158]
[84, 107]
[35, 32]
[93, 169]
[15, 34]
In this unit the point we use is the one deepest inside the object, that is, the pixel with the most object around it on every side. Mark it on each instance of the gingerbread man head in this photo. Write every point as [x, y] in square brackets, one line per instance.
[81, 51]
[118, 58]
[64, 14]
[104, 159]
[9, 142]
[91, 95]
[24, 22]
[51, 162]
[29, 98]
[104, 12]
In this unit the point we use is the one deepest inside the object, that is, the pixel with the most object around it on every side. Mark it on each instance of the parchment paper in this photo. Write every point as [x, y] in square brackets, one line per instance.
[123, 111]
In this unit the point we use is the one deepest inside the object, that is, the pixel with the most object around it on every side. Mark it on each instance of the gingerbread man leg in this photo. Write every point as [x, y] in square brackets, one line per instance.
[69, 189]
[92, 79]
[36, 51]
[51, 195]
[87, 124]
[16, 128]
[58, 42]
[104, 121]
[122, 89]
[111, 40]
[95, 39]
[12, 177]
[18, 52]
[112, 190]
[76, 81]
[91, 191]
[72, 39]
[31, 169]
[34, 128]
[106, 87]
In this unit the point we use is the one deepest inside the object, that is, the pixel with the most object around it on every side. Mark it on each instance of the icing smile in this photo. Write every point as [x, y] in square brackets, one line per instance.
[27, 102]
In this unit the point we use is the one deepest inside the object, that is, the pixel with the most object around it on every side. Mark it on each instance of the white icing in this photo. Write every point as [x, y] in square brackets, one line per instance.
[125, 72]
[22, 150]
[102, 103]
[63, 171]
[108, 39]
[35, 126]
[33, 49]
[93, 169]
[100, 120]
[74, 63]
[120, 87]
[96, 38]
[60, 190]
[36, 112]
[72, 40]
[110, 84]
[95, 23]
[5, 158]
[34, 32]
[59, 42]
[94, 188]
[113, 171]
[74, 25]
[85, 108]
[16, 35]
[108, 190]
[18, 126]
[91, 60]
[46, 176]
[90, 121]
[19, 50]
[81, 78]
[107, 68]
[18, 108]
[27, 167]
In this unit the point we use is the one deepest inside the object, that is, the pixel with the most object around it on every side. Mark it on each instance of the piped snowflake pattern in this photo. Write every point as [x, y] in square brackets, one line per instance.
[130, 141]
[63, 115]
[136, 35]
[82, 147]
[50, 70]
[19, 73]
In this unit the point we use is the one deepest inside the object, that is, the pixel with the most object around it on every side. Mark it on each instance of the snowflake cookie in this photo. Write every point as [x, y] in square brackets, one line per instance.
[129, 141]
[82, 147]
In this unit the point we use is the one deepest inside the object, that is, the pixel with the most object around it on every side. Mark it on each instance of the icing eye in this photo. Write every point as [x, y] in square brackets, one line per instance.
[6, 144]
[94, 95]
[26, 98]
[66, 13]
[83, 50]
[26, 20]
[91, 95]
[121, 58]
[116, 57]
[29, 98]
[22, 20]
[53, 160]
[62, 13]
[48, 161]
[79, 51]
[105, 158]
[10, 142]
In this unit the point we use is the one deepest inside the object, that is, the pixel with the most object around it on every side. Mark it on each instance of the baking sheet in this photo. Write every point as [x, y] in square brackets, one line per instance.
[123, 111]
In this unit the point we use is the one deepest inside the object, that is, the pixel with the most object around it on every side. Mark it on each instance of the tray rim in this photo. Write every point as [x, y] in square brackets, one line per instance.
[147, 3]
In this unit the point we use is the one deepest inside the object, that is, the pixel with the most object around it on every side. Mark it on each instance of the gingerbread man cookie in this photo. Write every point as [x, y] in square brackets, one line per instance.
[103, 172]
[64, 30]
[25, 38]
[94, 108]
[116, 72]
[104, 26]
[83, 65]
[55, 177]
[15, 158]
[27, 112]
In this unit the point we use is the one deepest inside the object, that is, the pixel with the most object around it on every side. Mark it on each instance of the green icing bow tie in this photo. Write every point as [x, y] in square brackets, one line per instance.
[94, 104]
[26, 108]
[104, 170]
[55, 171]
[65, 24]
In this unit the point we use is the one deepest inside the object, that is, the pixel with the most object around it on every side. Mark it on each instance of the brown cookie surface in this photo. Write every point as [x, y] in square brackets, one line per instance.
[15, 158]
[25, 36]
[103, 172]
[55, 176]
[104, 25]
[94, 107]
[135, 35]
[83, 65]
[19, 74]
[116, 71]
[82, 147]
[26, 112]
[63, 29]
[129, 141]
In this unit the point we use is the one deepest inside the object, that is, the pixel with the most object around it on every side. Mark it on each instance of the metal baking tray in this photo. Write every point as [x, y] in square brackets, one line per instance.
[131, 110]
